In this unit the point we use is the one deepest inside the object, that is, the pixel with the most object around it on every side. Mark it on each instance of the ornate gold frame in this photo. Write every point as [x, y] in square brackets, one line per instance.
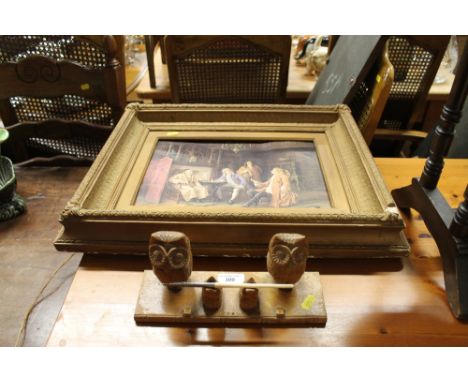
[363, 222]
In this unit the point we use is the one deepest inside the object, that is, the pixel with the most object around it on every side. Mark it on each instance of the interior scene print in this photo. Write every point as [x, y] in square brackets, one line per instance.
[279, 174]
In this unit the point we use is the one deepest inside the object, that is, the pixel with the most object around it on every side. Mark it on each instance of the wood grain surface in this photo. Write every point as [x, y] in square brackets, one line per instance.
[371, 302]
[28, 259]
[160, 306]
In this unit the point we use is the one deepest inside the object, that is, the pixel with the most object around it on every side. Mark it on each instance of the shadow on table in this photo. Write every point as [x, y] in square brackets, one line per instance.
[419, 326]
[324, 266]
[222, 337]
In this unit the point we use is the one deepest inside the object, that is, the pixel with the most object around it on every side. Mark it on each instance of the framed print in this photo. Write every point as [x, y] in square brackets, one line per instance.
[231, 176]
[247, 174]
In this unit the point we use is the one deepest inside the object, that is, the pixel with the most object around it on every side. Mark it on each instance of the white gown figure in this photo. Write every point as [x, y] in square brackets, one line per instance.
[188, 185]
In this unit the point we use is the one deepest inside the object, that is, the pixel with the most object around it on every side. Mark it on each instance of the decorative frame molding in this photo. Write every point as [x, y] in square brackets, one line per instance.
[363, 222]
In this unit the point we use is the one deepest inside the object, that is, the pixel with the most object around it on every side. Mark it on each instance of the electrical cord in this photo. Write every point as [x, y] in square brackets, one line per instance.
[21, 335]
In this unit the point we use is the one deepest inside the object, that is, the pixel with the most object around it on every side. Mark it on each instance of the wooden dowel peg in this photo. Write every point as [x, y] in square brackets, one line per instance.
[248, 297]
[212, 296]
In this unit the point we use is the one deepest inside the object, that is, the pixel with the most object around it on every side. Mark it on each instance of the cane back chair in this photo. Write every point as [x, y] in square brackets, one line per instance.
[416, 60]
[228, 69]
[59, 95]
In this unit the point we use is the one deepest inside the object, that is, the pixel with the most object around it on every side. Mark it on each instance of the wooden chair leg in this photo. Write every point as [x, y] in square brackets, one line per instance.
[449, 229]
[162, 46]
[150, 44]
[437, 216]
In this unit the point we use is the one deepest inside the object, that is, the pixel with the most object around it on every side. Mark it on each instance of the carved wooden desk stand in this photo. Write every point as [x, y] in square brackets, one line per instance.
[449, 228]
[179, 297]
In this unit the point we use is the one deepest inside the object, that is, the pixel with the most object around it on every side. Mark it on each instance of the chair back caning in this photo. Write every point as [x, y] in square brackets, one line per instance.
[414, 69]
[78, 147]
[71, 48]
[68, 106]
[228, 70]
[68, 78]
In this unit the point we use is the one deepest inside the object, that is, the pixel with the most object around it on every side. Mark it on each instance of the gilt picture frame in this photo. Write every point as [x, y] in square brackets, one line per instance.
[231, 176]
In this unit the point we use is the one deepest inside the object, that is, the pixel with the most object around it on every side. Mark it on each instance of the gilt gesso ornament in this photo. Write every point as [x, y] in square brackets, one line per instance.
[287, 257]
[170, 256]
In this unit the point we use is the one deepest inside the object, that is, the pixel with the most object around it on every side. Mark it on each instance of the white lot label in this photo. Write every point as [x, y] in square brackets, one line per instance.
[231, 277]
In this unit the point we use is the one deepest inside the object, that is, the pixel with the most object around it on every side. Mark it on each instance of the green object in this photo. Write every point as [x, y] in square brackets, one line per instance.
[3, 135]
[11, 204]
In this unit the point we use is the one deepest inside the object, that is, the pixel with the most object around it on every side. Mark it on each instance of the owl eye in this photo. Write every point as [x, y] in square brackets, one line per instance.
[158, 256]
[298, 254]
[178, 257]
[280, 254]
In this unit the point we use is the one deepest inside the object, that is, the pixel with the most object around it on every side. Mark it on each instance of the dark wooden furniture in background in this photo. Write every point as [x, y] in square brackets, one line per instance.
[369, 102]
[332, 40]
[72, 78]
[350, 62]
[449, 228]
[350, 77]
[228, 69]
[120, 53]
[416, 60]
[360, 75]
[150, 44]
[299, 87]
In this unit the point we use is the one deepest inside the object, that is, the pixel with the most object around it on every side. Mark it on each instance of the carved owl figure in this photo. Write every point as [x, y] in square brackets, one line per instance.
[170, 256]
[287, 257]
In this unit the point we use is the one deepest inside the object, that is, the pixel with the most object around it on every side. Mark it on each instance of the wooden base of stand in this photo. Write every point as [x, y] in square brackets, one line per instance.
[302, 306]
